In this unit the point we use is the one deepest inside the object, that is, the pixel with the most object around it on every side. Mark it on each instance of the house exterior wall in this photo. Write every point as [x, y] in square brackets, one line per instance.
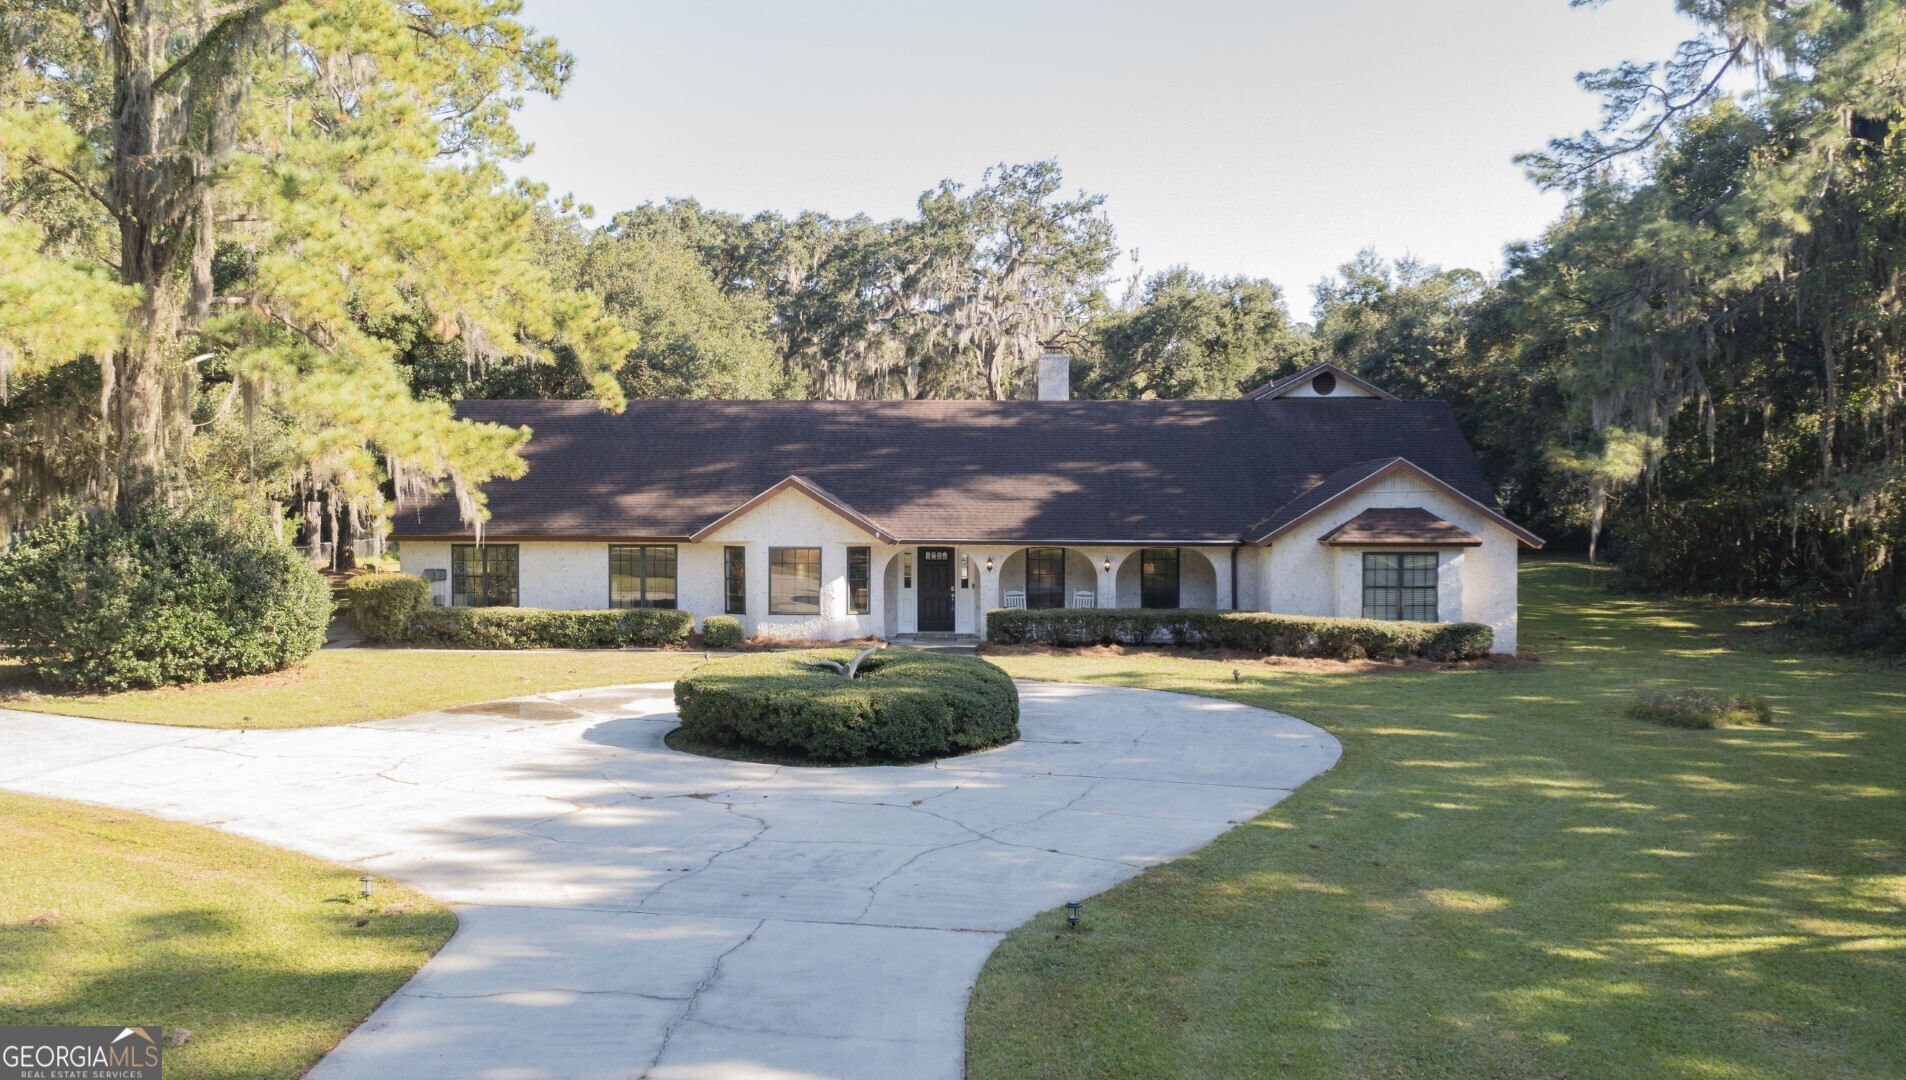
[1297, 575]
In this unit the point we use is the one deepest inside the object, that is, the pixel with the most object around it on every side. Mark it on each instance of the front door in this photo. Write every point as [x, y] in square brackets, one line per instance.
[936, 590]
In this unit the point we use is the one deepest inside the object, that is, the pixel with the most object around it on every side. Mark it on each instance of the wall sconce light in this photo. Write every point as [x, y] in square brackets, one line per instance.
[1072, 913]
[364, 885]
[989, 564]
[1108, 564]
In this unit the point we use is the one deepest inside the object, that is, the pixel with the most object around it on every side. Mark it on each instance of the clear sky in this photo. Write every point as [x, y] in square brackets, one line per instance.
[1271, 138]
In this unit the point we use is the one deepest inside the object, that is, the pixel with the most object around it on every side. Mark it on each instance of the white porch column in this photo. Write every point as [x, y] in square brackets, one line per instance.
[988, 582]
[1225, 595]
[1108, 579]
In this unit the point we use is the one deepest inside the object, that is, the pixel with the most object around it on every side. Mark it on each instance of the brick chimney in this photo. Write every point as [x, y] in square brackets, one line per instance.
[1055, 377]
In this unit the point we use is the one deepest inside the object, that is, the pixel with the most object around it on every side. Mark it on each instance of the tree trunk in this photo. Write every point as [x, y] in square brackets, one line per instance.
[345, 536]
[313, 529]
[160, 194]
[1597, 507]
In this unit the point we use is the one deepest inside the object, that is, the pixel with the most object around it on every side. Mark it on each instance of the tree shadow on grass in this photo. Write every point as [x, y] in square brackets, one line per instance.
[1507, 876]
[253, 1009]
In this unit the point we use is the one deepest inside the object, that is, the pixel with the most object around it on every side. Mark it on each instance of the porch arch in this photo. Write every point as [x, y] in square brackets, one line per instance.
[1081, 576]
[1197, 579]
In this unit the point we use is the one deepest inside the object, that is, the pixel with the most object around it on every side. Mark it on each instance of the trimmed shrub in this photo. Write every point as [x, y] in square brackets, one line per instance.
[905, 706]
[1246, 631]
[721, 631]
[155, 596]
[382, 604]
[537, 628]
[1693, 709]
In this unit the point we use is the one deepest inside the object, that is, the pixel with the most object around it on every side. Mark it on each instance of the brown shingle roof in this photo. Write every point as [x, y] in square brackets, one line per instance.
[1400, 525]
[1079, 471]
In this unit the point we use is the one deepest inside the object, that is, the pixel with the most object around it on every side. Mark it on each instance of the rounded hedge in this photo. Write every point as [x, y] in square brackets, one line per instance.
[904, 706]
[721, 631]
[153, 596]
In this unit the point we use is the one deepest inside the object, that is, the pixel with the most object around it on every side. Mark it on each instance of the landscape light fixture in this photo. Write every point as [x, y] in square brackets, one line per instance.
[1072, 913]
[364, 884]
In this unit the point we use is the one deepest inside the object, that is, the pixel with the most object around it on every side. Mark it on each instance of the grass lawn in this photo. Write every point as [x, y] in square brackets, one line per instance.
[110, 917]
[344, 686]
[1506, 876]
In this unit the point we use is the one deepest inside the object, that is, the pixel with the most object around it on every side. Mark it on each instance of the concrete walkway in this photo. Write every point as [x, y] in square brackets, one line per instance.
[629, 911]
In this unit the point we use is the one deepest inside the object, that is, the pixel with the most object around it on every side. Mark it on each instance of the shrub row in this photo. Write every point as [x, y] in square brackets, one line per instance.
[905, 706]
[536, 628]
[391, 609]
[1693, 709]
[1247, 631]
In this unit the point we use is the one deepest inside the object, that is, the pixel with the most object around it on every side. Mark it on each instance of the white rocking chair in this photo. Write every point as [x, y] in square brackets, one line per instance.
[1016, 598]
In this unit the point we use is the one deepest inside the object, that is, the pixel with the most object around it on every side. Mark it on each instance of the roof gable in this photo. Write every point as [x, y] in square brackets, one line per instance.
[803, 486]
[1356, 477]
[1296, 384]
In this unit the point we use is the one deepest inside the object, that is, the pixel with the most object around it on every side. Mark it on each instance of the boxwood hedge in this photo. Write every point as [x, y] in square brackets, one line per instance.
[721, 631]
[381, 604]
[538, 628]
[1247, 631]
[390, 609]
[904, 706]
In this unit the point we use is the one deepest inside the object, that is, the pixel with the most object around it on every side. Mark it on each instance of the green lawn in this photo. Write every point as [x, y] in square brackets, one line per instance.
[343, 686]
[109, 917]
[1505, 876]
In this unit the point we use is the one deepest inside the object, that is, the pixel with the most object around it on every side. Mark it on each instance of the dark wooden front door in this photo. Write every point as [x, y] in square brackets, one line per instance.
[936, 590]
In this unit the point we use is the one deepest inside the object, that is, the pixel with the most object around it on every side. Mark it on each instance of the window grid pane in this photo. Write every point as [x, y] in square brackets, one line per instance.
[499, 575]
[859, 570]
[735, 576]
[483, 575]
[1400, 585]
[641, 576]
[1158, 578]
[1045, 578]
[794, 581]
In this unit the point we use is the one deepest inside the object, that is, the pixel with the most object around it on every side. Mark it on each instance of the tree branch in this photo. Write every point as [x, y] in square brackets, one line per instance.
[86, 188]
[234, 20]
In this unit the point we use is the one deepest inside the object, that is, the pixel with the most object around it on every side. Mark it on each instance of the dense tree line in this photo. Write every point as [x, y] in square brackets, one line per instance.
[1696, 369]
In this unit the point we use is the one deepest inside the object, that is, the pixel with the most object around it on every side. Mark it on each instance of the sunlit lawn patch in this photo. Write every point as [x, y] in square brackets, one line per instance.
[342, 686]
[1507, 875]
[110, 917]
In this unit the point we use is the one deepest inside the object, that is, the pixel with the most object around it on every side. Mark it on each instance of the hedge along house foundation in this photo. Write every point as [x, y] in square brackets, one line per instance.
[1318, 495]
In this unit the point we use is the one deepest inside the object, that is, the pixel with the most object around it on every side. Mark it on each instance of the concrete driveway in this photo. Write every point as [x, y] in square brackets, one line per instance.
[630, 911]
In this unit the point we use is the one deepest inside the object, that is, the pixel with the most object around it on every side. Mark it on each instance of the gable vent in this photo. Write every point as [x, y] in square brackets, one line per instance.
[1324, 384]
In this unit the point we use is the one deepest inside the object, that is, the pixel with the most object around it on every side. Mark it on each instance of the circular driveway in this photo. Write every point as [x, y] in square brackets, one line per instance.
[630, 911]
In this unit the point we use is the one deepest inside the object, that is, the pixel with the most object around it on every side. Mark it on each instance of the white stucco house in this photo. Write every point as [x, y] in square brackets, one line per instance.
[1318, 494]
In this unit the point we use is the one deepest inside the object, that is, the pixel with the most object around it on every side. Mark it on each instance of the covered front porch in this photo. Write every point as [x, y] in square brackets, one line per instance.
[948, 588]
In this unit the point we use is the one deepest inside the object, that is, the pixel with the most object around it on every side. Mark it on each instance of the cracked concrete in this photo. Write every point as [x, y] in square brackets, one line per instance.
[628, 911]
